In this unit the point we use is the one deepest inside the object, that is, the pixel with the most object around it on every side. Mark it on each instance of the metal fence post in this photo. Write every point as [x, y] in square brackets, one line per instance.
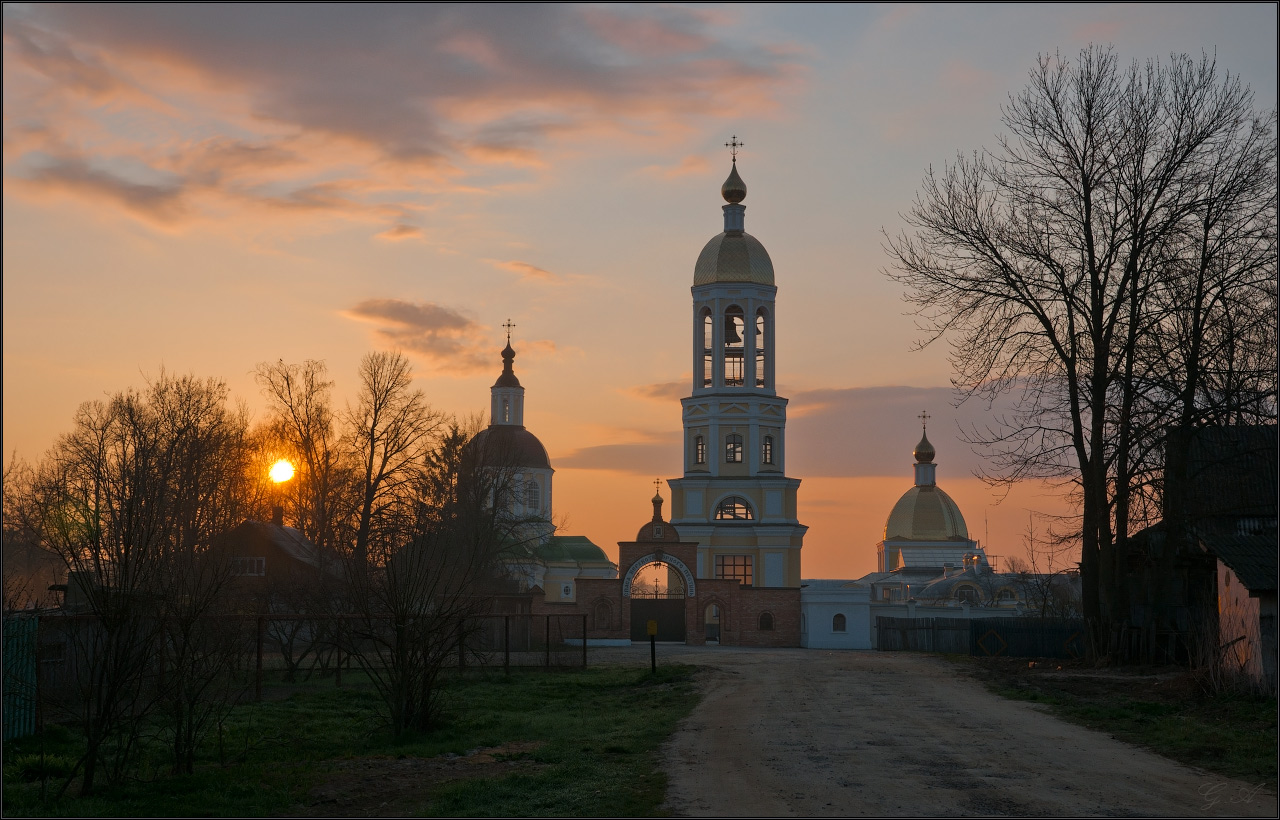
[462, 649]
[506, 643]
[257, 687]
[548, 641]
[584, 641]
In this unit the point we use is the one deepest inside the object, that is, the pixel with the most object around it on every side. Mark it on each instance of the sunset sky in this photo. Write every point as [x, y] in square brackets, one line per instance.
[206, 187]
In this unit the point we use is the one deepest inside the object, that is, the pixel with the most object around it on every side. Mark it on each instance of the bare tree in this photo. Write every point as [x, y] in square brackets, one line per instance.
[129, 499]
[303, 418]
[389, 431]
[427, 583]
[1056, 266]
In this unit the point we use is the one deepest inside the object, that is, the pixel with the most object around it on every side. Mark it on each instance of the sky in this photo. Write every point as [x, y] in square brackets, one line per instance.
[202, 188]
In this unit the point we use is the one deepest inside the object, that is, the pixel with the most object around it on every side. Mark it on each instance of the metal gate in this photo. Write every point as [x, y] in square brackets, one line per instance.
[668, 612]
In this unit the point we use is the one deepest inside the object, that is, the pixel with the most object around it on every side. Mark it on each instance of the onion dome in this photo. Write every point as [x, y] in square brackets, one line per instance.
[924, 452]
[734, 190]
[508, 375]
[510, 445]
[656, 529]
[926, 513]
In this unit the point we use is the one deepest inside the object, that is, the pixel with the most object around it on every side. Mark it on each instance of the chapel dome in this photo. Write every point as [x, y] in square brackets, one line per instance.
[511, 445]
[733, 256]
[570, 548]
[926, 513]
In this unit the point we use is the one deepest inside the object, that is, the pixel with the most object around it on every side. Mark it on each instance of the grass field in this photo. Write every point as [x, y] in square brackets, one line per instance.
[1232, 734]
[535, 743]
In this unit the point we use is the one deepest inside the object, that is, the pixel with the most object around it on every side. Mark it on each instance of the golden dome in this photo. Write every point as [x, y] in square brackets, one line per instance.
[733, 257]
[734, 190]
[926, 514]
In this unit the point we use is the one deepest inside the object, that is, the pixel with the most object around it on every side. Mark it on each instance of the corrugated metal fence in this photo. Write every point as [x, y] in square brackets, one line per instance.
[20, 680]
[985, 637]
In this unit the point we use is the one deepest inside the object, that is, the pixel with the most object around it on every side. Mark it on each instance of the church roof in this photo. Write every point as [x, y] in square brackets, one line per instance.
[926, 513]
[733, 256]
[511, 445]
[570, 548]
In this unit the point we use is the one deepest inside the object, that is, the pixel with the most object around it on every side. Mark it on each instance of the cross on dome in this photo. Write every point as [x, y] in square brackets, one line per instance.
[733, 145]
[924, 419]
[508, 325]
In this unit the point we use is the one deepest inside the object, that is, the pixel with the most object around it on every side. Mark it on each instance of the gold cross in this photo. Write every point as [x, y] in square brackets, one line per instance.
[733, 145]
[657, 485]
[924, 419]
[508, 325]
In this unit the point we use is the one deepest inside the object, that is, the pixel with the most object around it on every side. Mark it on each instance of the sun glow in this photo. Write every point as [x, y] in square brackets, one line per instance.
[282, 470]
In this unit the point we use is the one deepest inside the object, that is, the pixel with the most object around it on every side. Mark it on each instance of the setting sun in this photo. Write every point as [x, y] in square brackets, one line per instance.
[282, 470]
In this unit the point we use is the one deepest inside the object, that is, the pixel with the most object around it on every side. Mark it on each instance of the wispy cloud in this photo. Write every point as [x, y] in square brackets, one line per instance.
[448, 340]
[525, 271]
[689, 166]
[655, 455]
[858, 431]
[661, 392]
[343, 111]
[401, 231]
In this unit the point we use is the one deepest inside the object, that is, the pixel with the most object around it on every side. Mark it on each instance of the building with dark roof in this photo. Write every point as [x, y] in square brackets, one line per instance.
[545, 561]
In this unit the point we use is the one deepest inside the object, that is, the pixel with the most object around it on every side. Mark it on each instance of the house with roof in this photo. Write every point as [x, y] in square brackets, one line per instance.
[1204, 578]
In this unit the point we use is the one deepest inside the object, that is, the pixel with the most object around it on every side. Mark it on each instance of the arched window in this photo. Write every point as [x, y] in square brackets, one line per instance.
[699, 450]
[735, 346]
[838, 622]
[732, 448]
[766, 622]
[766, 450]
[1006, 594]
[603, 615]
[734, 508]
[762, 347]
[708, 343]
[532, 496]
[967, 594]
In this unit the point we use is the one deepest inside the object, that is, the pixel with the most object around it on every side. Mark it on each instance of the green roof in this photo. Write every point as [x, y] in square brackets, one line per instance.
[569, 548]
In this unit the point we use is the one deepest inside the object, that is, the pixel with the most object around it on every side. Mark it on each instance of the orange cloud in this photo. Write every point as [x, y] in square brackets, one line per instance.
[689, 166]
[352, 113]
[401, 231]
[526, 271]
[664, 392]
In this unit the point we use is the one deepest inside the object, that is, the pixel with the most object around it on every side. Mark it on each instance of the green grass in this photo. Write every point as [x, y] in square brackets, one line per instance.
[590, 747]
[1230, 734]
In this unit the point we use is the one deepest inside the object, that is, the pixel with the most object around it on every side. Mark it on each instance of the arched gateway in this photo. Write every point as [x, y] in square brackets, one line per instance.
[660, 584]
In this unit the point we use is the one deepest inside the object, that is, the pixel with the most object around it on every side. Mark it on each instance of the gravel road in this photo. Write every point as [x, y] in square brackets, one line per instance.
[784, 732]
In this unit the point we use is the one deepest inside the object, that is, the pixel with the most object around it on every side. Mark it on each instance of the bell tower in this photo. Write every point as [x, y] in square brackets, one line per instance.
[734, 498]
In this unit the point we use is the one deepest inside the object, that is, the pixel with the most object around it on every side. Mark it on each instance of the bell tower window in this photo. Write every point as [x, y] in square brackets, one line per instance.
[506, 411]
[762, 348]
[766, 454]
[734, 508]
[708, 333]
[699, 450]
[735, 327]
[733, 448]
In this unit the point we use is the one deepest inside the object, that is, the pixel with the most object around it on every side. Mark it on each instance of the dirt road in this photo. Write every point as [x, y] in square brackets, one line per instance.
[808, 732]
